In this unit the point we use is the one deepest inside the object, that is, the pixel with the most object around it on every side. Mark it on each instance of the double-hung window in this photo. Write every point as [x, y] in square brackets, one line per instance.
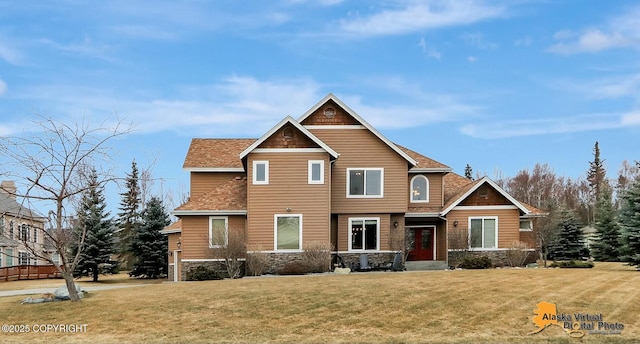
[218, 231]
[23, 258]
[483, 232]
[365, 182]
[288, 232]
[364, 234]
[316, 171]
[261, 172]
[24, 232]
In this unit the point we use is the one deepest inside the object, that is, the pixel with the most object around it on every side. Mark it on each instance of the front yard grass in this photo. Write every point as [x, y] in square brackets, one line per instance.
[470, 306]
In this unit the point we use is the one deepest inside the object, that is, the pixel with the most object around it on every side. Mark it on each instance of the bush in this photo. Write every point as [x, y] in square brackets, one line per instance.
[476, 262]
[316, 256]
[517, 254]
[294, 268]
[257, 261]
[201, 273]
[572, 264]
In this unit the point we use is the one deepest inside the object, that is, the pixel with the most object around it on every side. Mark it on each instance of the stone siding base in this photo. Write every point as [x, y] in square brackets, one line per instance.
[498, 258]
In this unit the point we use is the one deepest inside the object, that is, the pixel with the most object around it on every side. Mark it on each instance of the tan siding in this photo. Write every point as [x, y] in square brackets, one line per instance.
[195, 235]
[436, 195]
[203, 182]
[508, 223]
[441, 242]
[359, 148]
[288, 188]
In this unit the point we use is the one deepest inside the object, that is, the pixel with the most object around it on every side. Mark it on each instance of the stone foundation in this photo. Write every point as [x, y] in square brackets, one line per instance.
[498, 258]
[352, 260]
[218, 266]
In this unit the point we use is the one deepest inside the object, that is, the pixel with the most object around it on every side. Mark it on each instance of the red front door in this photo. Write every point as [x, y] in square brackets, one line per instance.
[423, 244]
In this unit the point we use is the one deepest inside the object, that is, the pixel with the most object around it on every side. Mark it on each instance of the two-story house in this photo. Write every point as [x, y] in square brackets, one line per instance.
[20, 229]
[330, 176]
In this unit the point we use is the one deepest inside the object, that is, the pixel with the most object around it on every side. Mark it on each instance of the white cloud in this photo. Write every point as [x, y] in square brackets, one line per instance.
[478, 40]
[3, 87]
[419, 16]
[523, 42]
[622, 31]
[430, 51]
[9, 54]
[472, 59]
[557, 125]
[627, 85]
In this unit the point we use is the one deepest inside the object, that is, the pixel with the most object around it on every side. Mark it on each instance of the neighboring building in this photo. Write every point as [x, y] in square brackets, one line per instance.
[20, 227]
[330, 176]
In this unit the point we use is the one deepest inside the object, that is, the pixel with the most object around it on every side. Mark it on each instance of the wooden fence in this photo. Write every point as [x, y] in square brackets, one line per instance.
[28, 272]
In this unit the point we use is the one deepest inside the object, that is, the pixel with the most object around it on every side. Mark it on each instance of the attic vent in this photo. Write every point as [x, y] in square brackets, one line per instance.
[483, 192]
[287, 133]
[329, 112]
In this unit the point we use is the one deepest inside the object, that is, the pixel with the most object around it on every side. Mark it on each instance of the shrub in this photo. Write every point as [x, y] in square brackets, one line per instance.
[475, 262]
[572, 264]
[316, 256]
[293, 268]
[517, 254]
[257, 261]
[202, 273]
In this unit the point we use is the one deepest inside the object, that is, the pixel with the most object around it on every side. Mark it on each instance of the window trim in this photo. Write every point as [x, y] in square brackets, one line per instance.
[25, 232]
[266, 172]
[483, 248]
[8, 256]
[310, 171]
[226, 231]
[365, 169]
[275, 232]
[426, 189]
[363, 219]
[27, 256]
[530, 229]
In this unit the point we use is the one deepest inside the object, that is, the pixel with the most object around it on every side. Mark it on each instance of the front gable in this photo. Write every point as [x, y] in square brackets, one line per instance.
[329, 113]
[485, 195]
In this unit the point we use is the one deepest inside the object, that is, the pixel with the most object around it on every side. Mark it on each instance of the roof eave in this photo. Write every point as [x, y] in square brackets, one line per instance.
[208, 212]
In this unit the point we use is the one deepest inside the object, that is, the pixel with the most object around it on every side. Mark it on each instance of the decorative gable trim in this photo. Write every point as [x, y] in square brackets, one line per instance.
[352, 113]
[482, 181]
[298, 126]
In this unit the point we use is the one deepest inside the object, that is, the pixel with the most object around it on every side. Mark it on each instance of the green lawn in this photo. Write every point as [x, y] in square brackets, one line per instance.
[491, 306]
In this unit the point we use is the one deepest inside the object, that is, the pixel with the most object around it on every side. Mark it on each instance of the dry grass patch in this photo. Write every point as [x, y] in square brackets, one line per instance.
[493, 306]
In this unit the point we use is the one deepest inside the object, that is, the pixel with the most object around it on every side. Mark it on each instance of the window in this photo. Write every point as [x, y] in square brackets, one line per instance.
[526, 225]
[1, 225]
[218, 231]
[55, 257]
[419, 189]
[260, 172]
[364, 234]
[24, 232]
[316, 171]
[0, 257]
[8, 253]
[35, 234]
[288, 232]
[483, 232]
[23, 258]
[365, 182]
[11, 230]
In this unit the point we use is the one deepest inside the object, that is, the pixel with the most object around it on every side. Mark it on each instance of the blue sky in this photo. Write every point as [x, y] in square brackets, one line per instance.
[501, 85]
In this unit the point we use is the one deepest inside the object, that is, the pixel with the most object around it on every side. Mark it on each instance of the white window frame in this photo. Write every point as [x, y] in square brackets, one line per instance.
[363, 219]
[226, 231]
[529, 229]
[310, 168]
[25, 232]
[9, 256]
[24, 255]
[483, 248]
[266, 172]
[275, 232]
[365, 169]
[419, 176]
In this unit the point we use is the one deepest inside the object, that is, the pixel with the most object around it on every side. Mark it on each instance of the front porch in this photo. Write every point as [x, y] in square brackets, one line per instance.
[425, 242]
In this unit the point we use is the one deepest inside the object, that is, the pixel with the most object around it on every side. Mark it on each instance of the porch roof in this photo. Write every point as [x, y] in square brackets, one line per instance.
[230, 196]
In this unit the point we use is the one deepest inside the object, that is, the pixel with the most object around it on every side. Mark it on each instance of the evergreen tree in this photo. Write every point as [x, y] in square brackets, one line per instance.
[607, 245]
[468, 172]
[596, 176]
[129, 217]
[569, 243]
[99, 234]
[630, 224]
[149, 246]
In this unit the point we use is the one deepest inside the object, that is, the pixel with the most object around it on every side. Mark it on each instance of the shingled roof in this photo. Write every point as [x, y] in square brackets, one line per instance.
[422, 161]
[229, 196]
[216, 153]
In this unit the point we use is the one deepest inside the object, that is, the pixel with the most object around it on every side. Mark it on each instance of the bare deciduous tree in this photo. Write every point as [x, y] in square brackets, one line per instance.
[53, 164]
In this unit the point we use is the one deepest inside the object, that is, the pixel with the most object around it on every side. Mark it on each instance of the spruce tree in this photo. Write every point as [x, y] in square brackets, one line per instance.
[608, 241]
[468, 172]
[149, 246]
[569, 243]
[630, 224]
[129, 217]
[97, 227]
[596, 177]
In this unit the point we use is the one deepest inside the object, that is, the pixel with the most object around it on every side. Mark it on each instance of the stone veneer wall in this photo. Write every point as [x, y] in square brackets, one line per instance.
[218, 266]
[352, 260]
[498, 258]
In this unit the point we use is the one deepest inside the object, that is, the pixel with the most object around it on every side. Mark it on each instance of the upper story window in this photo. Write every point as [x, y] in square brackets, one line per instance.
[365, 182]
[483, 232]
[316, 171]
[260, 172]
[419, 189]
[24, 232]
